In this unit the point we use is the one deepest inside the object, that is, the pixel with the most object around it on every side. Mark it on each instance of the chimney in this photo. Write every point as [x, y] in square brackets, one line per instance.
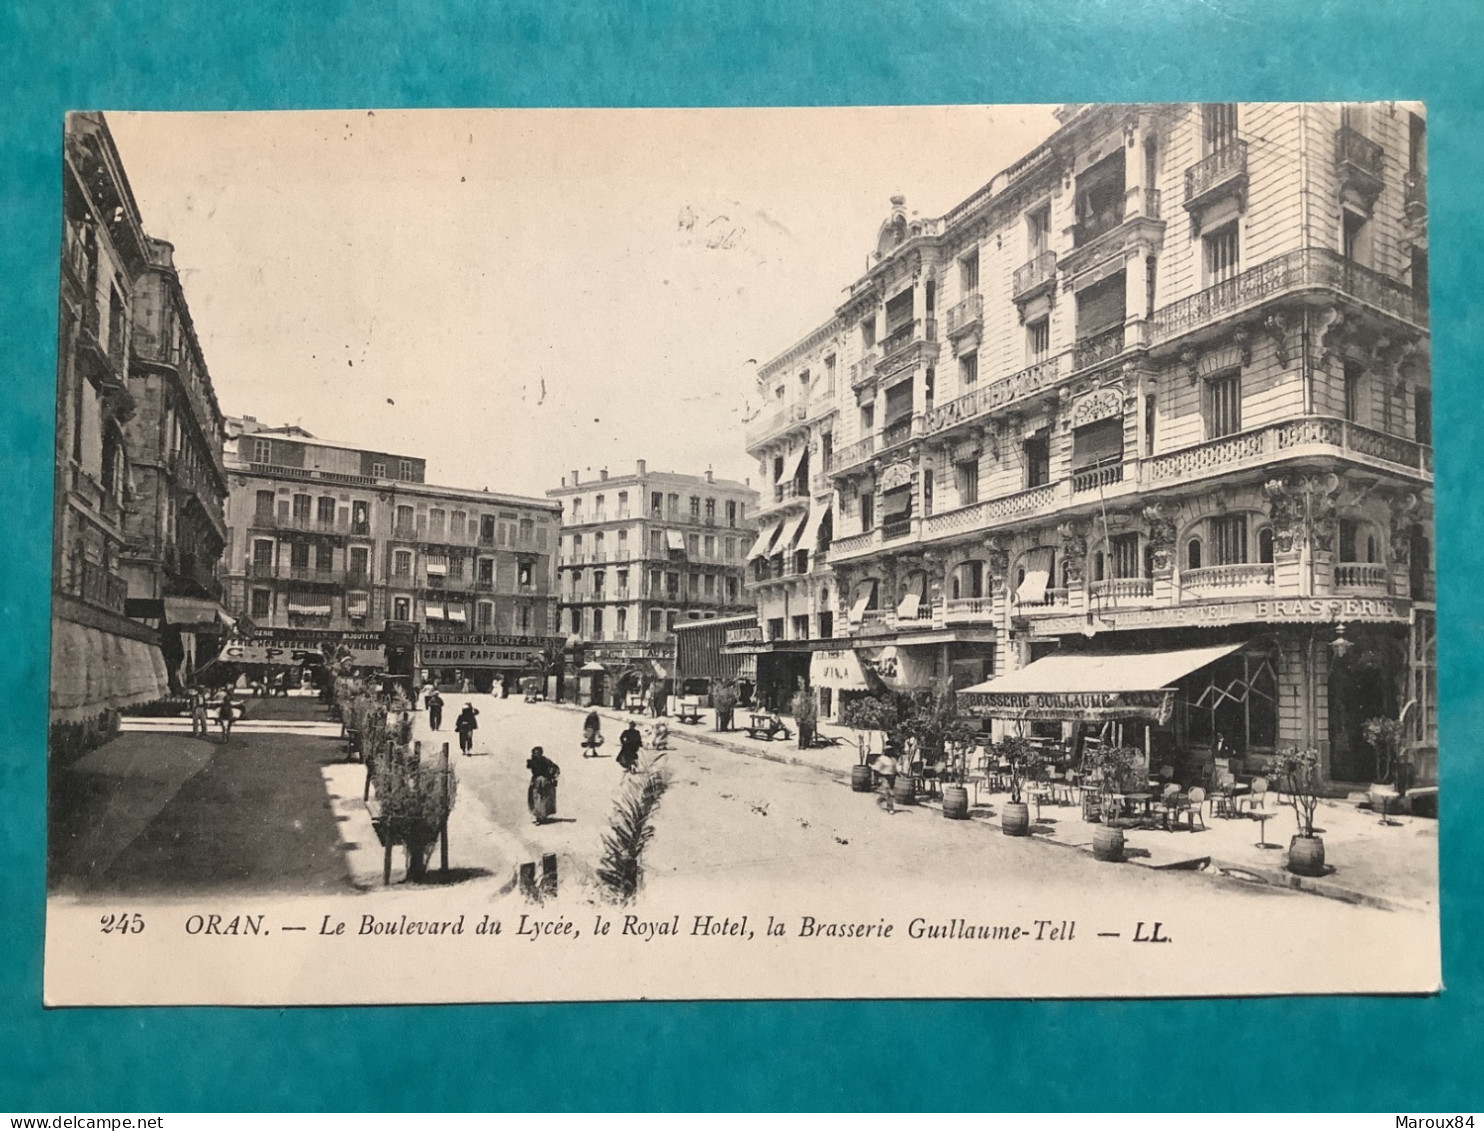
[641, 466]
[574, 477]
[710, 476]
[564, 481]
[603, 475]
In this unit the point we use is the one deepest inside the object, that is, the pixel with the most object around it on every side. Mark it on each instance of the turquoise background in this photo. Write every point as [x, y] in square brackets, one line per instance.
[1390, 1054]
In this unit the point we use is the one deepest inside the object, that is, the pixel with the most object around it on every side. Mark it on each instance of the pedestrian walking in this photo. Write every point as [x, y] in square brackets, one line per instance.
[435, 709]
[541, 794]
[629, 744]
[466, 725]
[592, 735]
[200, 727]
[226, 714]
[886, 769]
[657, 700]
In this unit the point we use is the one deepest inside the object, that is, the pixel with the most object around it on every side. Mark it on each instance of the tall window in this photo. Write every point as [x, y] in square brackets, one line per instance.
[968, 369]
[1223, 405]
[264, 509]
[1220, 122]
[695, 508]
[404, 469]
[1038, 229]
[868, 511]
[402, 563]
[731, 513]
[968, 273]
[1037, 340]
[301, 508]
[710, 510]
[1037, 461]
[1124, 550]
[262, 555]
[1354, 378]
[325, 510]
[966, 480]
[1355, 242]
[621, 624]
[436, 518]
[262, 603]
[299, 555]
[868, 419]
[1422, 416]
[623, 504]
[829, 374]
[360, 561]
[1229, 540]
[401, 608]
[404, 520]
[262, 451]
[1222, 254]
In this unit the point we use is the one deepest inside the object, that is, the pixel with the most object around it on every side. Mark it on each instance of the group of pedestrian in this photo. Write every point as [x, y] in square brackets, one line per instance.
[226, 712]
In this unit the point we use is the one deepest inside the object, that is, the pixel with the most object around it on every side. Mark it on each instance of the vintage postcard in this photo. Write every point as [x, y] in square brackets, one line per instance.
[665, 554]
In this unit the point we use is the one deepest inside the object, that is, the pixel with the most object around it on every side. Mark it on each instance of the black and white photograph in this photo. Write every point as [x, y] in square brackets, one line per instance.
[889, 552]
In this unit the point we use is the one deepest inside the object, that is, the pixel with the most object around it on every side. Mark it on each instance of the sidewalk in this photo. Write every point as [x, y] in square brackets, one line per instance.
[1392, 867]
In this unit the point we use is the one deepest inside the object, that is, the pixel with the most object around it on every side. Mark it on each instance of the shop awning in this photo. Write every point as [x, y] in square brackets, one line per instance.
[436, 611]
[840, 670]
[809, 536]
[1032, 590]
[456, 612]
[437, 567]
[675, 540]
[901, 669]
[357, 603]
[765, 538]
[1121, 685]
[304, 610]
[183, 611]
[791, 464]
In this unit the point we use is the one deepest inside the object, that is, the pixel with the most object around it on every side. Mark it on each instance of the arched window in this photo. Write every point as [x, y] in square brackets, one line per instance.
[1265, 545]
[1098, 569]
[1193, 554]
[968, 580]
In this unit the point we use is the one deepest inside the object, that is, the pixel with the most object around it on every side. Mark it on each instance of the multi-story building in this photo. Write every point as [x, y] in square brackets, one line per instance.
[641, 553]
[329, 542]
[139, 487]
[1164, 381]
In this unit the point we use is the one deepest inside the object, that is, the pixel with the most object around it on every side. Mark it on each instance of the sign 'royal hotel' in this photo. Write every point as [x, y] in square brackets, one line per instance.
[1161, 385]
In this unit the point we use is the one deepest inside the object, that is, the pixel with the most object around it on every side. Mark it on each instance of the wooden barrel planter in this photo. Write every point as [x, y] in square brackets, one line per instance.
[1306, 856]
[1107, 843]
[860, 779]
[1015, 819]
[955, 802]
[904, 790]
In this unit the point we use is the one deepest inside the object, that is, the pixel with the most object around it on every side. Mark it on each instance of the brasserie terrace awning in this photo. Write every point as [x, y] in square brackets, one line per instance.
[1091, 688]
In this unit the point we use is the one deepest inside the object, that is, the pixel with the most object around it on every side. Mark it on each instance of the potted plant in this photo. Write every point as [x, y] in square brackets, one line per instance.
[865, 715]
[1023, 759]
[1393, 769]
[806, 717]
[946, 741]
[1298, 769]
[1115, 767]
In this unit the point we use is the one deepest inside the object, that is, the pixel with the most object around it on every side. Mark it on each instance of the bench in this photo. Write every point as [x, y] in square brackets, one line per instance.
[689, 711]
[767, 727]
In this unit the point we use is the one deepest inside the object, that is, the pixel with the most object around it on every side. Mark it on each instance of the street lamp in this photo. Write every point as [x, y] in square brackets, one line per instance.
[1340, 645]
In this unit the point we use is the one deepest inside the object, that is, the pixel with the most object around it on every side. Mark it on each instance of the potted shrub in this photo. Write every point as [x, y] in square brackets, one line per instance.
[806, 717]
[1298, 769]
[1393, 769]
[866, 715]
[1116, 767]
[1023, 759]
[945, 740]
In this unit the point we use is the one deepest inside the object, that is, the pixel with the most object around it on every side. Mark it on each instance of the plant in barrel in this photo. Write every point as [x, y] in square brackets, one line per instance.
[1297, 769]
[865, 715]
[1023, 760]
[945, 740]
[1116, 770]
[1394, 770]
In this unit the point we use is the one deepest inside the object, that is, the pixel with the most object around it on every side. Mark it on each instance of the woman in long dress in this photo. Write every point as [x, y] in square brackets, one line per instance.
[592, 736]
[541, 793]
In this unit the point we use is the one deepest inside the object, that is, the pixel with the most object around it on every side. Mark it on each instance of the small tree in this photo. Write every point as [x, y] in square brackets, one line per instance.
[630, 829]
[1023, 759]
[939, 732]
[1298, 768]
[1116, 768]
[1385, 736]
[871, 713]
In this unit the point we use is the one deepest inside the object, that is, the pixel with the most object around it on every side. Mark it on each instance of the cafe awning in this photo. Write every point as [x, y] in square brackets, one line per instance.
[1093, 687]
[765, 538]
[840, 669]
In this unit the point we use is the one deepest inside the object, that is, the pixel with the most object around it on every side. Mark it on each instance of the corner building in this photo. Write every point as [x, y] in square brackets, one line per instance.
[334, 543]
[1163, 382]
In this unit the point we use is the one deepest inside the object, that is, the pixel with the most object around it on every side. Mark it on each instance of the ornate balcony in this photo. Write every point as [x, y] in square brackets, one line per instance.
[965, 316]
[1359, 161]
[772, 422]
[1098, 347]
[1123, 589]
[1292, 272]
[1097, 478]
[905, 345]
[968, 610]
[1035, 277]
[1245, 575]
[1223, 172]
[98, 587]
[996, 394]
[863, 372]
[854, 455]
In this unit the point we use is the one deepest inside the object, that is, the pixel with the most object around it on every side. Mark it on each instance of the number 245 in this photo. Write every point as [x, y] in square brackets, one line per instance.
[125, 924]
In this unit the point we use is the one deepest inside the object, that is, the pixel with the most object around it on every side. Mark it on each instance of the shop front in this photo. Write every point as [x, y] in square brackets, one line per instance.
[838, 678]
[482, 662]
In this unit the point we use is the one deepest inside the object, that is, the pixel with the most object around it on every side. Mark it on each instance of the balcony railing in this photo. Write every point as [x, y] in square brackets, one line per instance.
[863, 372]
[406, 531]
[900, 431]
[1243, 575]
[97, 586]
[1098, 224]
[996, 394]
[1360, 153]
[1052, 599]
[896, 527]
[1353, 575]
[770, 422]
[958, 610]
[965, 315]
[787, 492]
[1123, 589]
[1098, 347]
[906, 336]
[1097, 478]
[853, 455]
[1225, 166]
[1304, 269]
[1036, 274]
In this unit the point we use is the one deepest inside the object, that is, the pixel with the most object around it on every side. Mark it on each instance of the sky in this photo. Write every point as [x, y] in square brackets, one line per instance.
[515, 294]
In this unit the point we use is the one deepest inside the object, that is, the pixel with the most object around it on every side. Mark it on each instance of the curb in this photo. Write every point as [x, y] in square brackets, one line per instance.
[1215, 868]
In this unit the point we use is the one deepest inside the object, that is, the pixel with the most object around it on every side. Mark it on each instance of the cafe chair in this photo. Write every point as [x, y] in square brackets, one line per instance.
[1167, 808]
[1223, 795]
[1195, 802]
[1257, 797]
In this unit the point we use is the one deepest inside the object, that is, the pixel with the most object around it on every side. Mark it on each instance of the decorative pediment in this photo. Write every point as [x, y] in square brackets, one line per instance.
[896, 475]
[1098, 405]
